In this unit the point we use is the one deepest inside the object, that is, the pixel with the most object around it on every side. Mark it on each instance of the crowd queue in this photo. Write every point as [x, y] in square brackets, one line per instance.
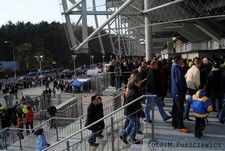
[197, 82]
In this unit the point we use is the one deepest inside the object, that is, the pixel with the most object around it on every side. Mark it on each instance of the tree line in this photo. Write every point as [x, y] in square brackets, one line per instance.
[48, 39]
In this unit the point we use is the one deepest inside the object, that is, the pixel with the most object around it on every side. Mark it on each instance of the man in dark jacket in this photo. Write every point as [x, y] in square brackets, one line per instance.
[91, 118]
[154, 87]
[178, 91]
[52, 111]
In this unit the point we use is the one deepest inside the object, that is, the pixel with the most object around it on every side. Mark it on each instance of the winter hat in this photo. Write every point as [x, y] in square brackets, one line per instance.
[38, 131]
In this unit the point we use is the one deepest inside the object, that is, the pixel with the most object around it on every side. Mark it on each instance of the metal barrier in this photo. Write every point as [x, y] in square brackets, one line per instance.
[55, 128]
[116, 116]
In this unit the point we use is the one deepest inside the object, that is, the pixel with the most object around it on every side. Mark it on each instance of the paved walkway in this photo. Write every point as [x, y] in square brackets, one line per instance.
[167, 138]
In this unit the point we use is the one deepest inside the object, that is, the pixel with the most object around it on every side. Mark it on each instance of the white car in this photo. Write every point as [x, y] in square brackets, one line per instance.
[92, 72]
[66, 70]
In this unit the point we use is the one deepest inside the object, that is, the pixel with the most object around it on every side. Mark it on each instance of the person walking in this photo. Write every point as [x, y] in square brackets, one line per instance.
[29, 119]
[154, 87]
[201, 108]
[214, 87]
[91, 118]
[133, 111]
[52, 111]
[19, 127]
[41, 140]
[178, 91]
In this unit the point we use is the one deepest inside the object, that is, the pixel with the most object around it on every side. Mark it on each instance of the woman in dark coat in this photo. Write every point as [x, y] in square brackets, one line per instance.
[133, 111]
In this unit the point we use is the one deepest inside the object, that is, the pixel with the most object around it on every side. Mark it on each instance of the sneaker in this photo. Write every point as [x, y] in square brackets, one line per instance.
[167, 118]
[124, 139]
[150, 121]
[134, 141]
[183, 130]
[140, 132]
[171, 113]
[100, 136]
[198, 135]
[221, 121]
[94, 144]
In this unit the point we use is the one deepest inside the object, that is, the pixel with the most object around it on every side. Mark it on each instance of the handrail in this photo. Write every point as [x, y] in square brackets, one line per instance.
[9, 128]
[109, 100]
[110, 114]
[60, 111]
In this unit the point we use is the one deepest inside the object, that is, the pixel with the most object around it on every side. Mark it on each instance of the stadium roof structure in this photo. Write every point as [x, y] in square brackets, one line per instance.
[143, 27]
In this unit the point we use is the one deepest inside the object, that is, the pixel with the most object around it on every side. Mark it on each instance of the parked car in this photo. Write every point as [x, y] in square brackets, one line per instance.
[92, 72]
[32, 73]
[66, 70]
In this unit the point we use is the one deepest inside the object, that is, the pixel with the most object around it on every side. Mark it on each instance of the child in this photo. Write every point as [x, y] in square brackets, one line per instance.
[19, 127]
[41, 141]
[201, 108]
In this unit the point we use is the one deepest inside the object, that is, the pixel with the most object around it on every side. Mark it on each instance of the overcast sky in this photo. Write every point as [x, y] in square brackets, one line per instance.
[36, 11]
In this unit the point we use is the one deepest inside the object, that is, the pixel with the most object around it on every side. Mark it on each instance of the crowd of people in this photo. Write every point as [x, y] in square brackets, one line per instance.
[199, 82]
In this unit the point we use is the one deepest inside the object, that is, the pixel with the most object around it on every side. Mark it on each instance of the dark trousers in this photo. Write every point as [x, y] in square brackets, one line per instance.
[200, 124]
[101, 127]
[178, 109]
[216, 94]
[31, 127]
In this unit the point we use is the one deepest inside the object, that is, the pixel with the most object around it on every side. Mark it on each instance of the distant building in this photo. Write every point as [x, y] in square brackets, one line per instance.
[5, 65]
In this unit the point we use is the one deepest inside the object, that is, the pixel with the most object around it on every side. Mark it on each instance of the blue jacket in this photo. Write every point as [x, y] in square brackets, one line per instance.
[200, 103]
[41, 142]
[178, 83]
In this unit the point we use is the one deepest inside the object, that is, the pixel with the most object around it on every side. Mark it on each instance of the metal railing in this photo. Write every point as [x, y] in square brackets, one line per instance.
[72, 111]
[109, 106]
[55, 128]
[114, 116]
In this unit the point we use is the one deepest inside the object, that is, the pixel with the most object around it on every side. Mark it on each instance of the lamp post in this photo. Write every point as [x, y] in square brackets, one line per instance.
[14, 60]
[40, 59]
[74, 65]
[103, 59]
[92, 60]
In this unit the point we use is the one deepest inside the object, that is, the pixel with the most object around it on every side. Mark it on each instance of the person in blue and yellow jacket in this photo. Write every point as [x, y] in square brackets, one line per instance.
[201, 108]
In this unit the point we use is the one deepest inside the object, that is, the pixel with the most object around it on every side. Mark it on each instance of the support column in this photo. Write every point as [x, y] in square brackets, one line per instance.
[84, 23]
[148, 34]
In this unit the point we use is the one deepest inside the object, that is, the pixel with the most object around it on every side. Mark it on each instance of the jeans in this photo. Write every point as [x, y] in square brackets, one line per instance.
[158, 103]
[186, 110]
[133, 126]
[92, 138]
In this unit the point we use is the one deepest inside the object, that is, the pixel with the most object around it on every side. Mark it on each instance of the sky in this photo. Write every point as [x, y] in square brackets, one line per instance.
[33, 11]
